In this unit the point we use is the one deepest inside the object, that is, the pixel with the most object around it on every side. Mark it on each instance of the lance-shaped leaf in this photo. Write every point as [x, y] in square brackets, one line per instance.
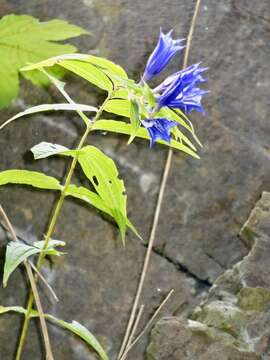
[81, 331]
[89, 72]
[179, 117]
[119, 107]
[45, 149]
[103, 174]
[50, 107]
[99, 71]
[104, 204]
[74, 327]
[93, 199]
[134, 118]
[124, 128]
[6, 309]
[25, 39]
[26, 177]
[100, 62]
[18, 251]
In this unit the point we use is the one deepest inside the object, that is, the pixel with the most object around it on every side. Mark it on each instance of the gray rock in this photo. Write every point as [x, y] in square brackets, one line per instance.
[235, 316]
[206, 202]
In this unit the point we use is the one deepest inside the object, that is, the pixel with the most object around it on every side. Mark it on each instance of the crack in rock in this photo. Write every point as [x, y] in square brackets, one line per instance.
[233, 321]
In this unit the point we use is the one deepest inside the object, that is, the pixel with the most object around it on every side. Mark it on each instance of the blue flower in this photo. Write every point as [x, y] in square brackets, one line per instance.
[180, 90]
[158, 129]
[164, 51]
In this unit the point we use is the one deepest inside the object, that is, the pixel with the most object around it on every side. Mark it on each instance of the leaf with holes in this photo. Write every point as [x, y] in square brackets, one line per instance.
[18, 251]
[25, 39]
[103, 174]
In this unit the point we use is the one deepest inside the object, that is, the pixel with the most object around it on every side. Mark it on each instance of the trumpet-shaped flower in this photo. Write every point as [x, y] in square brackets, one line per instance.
[180, 90]
[158, 129]
[164, 51]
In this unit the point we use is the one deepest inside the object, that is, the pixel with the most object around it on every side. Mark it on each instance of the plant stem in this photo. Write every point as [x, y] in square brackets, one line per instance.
[10, 228]
[165, 175]
[54, 219]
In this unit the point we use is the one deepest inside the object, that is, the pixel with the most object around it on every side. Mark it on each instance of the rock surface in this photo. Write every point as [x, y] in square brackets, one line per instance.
[233, 322]
[206, 202]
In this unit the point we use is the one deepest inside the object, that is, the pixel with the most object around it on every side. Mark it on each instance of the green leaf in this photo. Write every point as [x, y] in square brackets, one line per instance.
[95, 200]
[89, 72]
[124, 128]
[45, 149]
[121, 93]
[25, 39]
[148, 93]
[180, 118]
[17, 252]
[99, 62]
[119, 107]
[74, 327]
[81, 331]
[18, 309]
[134, 119]
[103, 174]
[50, 107]
[27, 177]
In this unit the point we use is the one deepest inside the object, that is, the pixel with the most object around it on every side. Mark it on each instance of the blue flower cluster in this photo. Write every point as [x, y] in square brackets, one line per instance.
[179, 91]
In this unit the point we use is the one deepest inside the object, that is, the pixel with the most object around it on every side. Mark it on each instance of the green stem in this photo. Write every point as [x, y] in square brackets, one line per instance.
[53, 222]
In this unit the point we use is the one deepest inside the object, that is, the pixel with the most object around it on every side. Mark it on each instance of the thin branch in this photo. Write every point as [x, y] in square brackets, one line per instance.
[44, 329]
[129, 347]
[45, 282]
[158, 205]
[136, 323]
[8, 226]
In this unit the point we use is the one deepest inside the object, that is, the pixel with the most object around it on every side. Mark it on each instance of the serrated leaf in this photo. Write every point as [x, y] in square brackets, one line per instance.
[45, 149]
[26, 177]
[18, 251]
[25, 39]
[134, 119]
[95, 200]
[50, 107]
[124, 128]
[103, 174]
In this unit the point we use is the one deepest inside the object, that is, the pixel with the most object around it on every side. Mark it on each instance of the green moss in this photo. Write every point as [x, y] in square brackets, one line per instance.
[257, 299]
